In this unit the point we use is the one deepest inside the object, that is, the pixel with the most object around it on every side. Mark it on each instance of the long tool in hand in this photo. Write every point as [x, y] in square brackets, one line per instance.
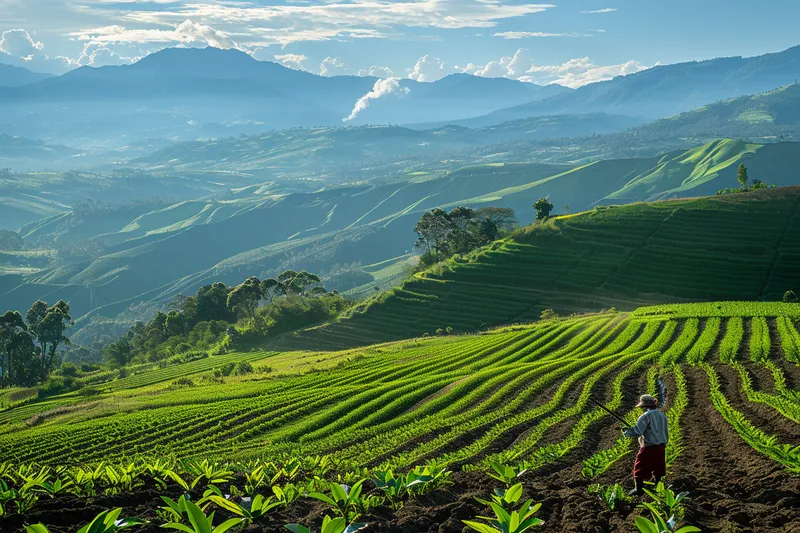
[604, 408]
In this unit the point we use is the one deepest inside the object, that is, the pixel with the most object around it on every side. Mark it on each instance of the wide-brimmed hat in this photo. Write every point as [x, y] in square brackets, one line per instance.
[645, 400]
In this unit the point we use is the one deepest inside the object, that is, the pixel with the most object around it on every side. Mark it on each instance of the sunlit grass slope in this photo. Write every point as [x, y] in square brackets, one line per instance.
[742, 247]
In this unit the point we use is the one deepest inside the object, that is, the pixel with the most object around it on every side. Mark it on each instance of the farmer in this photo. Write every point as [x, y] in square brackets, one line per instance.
[651, 428]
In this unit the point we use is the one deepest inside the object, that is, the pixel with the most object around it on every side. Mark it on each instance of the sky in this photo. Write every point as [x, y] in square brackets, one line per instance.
[571, 42]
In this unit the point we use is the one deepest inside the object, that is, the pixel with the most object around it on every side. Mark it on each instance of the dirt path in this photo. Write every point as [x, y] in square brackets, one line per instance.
[733, 488]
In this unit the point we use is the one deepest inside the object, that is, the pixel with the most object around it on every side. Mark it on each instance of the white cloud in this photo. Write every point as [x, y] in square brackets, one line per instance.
[294, 61]
[333, 66]
[604, 10]
[377, 72]
[521, 66]
[336, 19]
[429, 68]
[185, 33]
[19, 44]
[381, 88]
[579, 71]
[529, 34]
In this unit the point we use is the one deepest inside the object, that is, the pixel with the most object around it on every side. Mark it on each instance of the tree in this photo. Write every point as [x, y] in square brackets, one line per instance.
[15, 361]
[502, 217]
[269, 289]
[243, 299]
[433, 229]
[212, 304]
[742, 176]
[47, 326]
[174, 324]
[119, 353]
[565, 209]
[790, 297]
[543, 208]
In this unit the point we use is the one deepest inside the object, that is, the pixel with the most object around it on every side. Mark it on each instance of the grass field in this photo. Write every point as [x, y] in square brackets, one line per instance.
[740, 247]
[728, 374]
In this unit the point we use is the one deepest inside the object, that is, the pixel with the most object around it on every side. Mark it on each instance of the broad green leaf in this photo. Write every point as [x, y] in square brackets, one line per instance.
[514, 493]
[645, 525]
[37, 528]
[321, 497]
[201, 523]
[338, 492]
[688, 529]
[227, 504]
[296, 528]
[179, 527]
[477, 526]
[227, 524]
[334, 525]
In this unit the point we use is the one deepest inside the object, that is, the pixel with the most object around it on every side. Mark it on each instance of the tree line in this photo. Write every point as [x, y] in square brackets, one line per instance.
[442, 234]
[29, 345]
[220, 316]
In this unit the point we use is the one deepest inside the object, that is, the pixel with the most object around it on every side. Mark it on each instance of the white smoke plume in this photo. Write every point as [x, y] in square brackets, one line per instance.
[381, 88]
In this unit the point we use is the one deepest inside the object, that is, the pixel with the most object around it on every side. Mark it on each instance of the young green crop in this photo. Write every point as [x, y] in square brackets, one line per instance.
[105, 522]
[329, 525]
[344, 500]
[516, 521]
[199, 522]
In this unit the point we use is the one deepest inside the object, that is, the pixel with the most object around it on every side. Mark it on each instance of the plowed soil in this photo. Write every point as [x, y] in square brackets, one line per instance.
[732, 488]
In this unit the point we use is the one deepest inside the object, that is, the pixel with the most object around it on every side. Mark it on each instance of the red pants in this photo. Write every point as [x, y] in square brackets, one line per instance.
[650, 461]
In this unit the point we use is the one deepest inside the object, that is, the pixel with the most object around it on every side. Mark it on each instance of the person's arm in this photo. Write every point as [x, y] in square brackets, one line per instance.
[638, 429]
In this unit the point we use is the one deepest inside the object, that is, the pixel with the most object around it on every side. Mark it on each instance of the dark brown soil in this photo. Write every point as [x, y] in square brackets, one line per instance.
[732, 487]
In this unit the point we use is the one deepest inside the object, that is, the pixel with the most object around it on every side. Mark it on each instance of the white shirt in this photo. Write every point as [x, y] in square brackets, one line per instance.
[653, 426]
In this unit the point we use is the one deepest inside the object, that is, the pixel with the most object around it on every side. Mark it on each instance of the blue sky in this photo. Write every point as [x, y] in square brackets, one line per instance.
[572, 42]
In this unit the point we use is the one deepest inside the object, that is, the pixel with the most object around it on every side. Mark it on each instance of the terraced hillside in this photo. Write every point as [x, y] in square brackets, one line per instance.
[728, 375]
[743, 246]
[153, 256]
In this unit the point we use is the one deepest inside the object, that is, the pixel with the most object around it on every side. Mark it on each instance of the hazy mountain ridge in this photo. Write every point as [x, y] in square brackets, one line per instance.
[11, 76]
[191, 93]
[666, 90]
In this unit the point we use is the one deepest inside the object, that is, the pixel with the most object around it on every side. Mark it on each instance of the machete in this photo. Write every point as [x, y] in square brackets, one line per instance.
[604, 408]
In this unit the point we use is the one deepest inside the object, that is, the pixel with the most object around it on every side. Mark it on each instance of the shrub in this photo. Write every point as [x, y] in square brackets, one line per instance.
[183, 382]
[89, 392]
[439, 331]
[790, 297]
[68, 370]
[242, 368]
[56, 386]
[548, 314]
[449, 330]
[88, 367]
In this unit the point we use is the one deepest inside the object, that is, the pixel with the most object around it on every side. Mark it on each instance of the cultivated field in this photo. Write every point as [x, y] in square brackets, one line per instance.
[728, 375]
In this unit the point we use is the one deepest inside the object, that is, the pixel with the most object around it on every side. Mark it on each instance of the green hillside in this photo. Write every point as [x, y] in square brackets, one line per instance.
[767, 115]
[744, 247]
[726, 372]
[152, 255]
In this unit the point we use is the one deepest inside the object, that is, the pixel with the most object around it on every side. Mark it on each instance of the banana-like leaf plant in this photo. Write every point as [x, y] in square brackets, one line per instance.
[516, 521]
[105, 522]
[199, 522]
[329, 525]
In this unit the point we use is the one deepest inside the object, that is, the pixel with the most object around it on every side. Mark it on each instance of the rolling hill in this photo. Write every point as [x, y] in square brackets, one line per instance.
[738, 247]
[155, 255]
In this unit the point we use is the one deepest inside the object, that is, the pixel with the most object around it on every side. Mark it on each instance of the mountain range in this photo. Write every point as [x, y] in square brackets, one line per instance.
[200, 93]
[188, 94]
[11, 76]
